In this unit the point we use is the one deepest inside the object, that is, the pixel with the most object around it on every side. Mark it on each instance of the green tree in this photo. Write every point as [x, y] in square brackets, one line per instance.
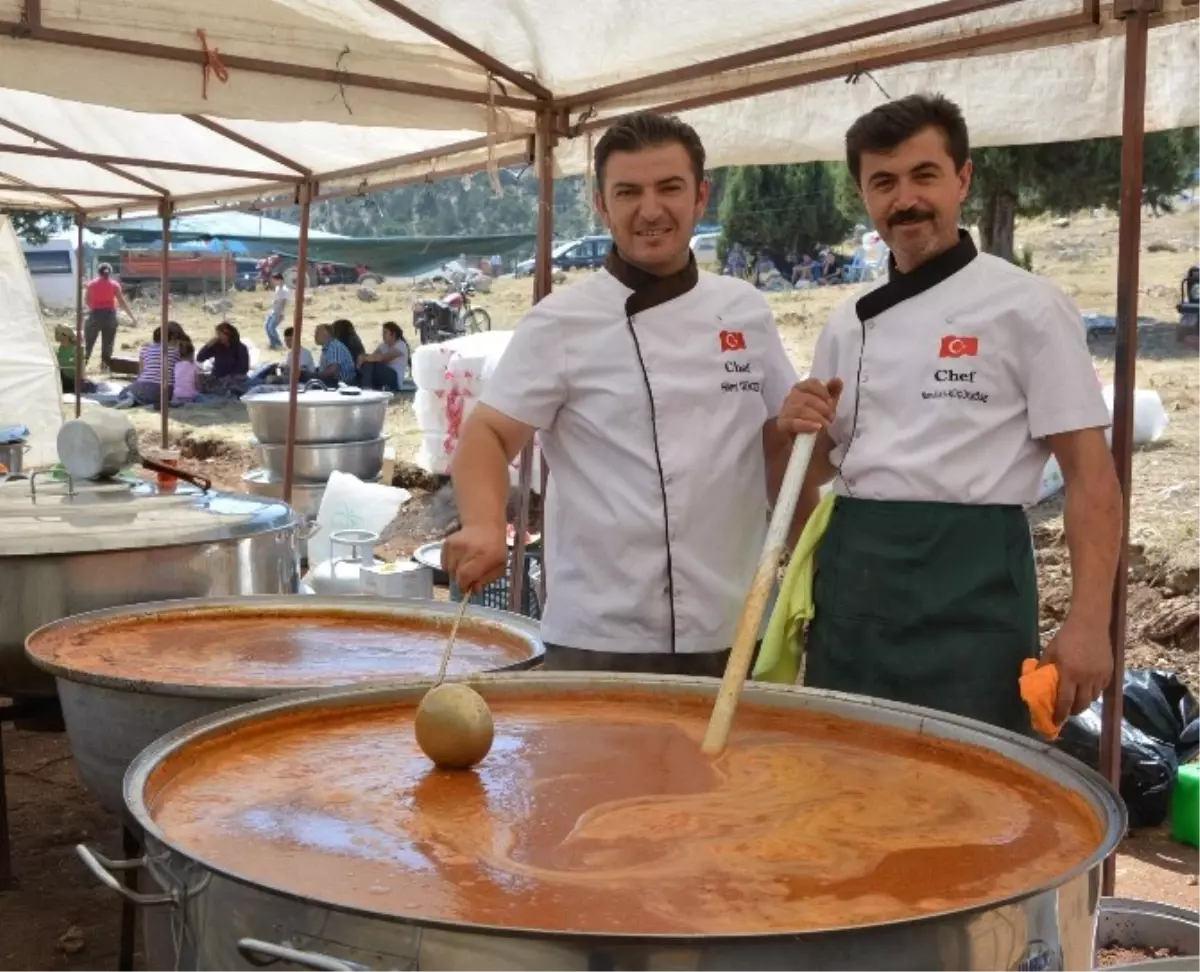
[783, 209]
[33, 226]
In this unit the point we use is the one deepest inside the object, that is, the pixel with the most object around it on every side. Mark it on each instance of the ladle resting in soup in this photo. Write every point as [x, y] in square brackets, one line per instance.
[600, 814]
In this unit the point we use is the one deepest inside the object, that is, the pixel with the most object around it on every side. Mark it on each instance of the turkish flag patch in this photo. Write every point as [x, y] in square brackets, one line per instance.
[959, 347]
[733, 341]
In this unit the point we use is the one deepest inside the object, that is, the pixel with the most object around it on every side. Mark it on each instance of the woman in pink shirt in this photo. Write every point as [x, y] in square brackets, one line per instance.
[103, 296]
[185, 375]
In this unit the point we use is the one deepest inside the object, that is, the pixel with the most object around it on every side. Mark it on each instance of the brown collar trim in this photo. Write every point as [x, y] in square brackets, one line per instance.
[650, 290]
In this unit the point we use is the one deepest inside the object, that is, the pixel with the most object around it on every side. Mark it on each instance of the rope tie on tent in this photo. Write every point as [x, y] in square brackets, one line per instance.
[212, 63]
[493, 170]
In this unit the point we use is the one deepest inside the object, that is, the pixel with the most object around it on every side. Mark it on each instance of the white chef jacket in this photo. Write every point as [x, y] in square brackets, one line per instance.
[718, 372]
[958, 385]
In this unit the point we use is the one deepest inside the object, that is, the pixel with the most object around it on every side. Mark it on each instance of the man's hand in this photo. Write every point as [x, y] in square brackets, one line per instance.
[1083, 654]
[810, 406]
[476, 555]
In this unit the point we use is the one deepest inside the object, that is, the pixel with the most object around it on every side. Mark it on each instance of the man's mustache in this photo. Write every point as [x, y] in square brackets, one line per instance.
[904, 217]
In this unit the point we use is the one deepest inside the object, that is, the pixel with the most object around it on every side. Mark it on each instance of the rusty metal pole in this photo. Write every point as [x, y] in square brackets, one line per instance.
[544, 160]
[80, 219]
[1135, 13]
[305, 192]
[164, 385]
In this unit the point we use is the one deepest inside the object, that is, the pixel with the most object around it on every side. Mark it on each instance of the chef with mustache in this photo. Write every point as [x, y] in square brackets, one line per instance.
[938, 397]
[655, 390]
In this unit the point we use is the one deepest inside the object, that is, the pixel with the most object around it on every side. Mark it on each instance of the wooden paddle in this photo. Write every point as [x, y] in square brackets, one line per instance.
[738, 666]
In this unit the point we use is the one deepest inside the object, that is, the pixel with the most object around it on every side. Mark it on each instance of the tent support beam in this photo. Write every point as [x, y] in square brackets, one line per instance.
[305, 193]
[8, 148]
[249, 143]
[469, 51]
[927, 52]
[80, 220]
[236, 62]
[165, 211]
[60, 193]
[19, 185]
[111, 169]
[542, 283]
[1136, 14]
[874, 27]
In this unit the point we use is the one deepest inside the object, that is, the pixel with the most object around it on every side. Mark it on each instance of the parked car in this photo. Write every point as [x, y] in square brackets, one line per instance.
[588, 253]
[704, 245]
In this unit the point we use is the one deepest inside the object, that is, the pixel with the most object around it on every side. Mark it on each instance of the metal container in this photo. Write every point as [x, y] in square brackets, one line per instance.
[68, 547]
[316, 463]
[1136, 923]
[221, 920]
[306, 497]
[12, 456]
[111, 718]
[97, 445]
[345, 415]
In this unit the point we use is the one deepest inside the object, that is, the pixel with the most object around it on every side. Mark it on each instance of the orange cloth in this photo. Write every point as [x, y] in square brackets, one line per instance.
[1039, 689]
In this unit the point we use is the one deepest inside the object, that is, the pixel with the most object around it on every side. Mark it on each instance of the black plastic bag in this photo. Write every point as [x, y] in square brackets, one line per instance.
[1159, 731]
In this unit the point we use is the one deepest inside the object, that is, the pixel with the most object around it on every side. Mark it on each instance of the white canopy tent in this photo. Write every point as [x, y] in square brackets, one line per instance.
[30, 393]
[166, 106]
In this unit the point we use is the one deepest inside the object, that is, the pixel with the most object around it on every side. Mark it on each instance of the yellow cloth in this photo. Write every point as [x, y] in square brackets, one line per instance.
[1039, 689]
[783, 645]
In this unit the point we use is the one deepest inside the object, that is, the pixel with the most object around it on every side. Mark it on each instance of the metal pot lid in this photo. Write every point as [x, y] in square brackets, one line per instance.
[52, 517]
[348, 396]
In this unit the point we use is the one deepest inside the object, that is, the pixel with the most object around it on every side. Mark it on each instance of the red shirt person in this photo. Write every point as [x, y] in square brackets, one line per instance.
[104, 295]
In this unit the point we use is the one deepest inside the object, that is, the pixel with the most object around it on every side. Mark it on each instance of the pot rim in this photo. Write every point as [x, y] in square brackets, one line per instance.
[513, 625]
[367, 396]
[1033, 754]
[301, 446]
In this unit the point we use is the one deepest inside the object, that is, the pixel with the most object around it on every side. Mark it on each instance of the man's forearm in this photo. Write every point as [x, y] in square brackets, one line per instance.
[480, 476]
[1093, 527]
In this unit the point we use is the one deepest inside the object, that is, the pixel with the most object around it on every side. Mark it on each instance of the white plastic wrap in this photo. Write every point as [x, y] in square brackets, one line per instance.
[350, 504]
[1150, 419]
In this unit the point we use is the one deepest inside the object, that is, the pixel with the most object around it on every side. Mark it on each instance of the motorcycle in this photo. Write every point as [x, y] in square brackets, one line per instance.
[449, 317]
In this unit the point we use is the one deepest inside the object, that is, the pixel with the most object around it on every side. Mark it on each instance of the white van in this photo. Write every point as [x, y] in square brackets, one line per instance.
[54, 267]
[704, 245]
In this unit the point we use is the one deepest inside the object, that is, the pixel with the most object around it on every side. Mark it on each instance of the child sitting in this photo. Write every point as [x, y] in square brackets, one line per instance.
[185, 375]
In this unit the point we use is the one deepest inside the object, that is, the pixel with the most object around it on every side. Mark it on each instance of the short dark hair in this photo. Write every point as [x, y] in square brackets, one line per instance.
[647, 129]
[277, 276]
[104, 269]
[288, 332]
[882, 129]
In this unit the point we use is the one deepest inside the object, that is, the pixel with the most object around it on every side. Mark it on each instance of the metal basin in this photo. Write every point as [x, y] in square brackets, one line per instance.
[316, 463]
[12, 456]
[350, 415]
[70, 548]
[114, 709]
[224, 918]
[1136, 923]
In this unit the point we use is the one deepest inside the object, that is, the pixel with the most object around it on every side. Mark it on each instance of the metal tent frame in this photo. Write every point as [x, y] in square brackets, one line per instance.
[571, 116]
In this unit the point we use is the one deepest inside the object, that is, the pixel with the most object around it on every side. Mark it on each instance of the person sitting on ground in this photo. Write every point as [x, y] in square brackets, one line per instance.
[230, 362]
[65, 352]
[146, 389]
[387, 366]
[804, 269]
[308, 368]
[337, 364]
[186, 376]
[344, 331]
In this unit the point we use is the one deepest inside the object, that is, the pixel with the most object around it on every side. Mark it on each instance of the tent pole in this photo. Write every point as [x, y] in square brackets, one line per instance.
[1135, 13]
[80, 219]
[544, 160]
[305, 191]
[164, 392]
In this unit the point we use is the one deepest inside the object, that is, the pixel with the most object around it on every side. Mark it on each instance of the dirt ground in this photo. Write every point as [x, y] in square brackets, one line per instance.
[59, 918]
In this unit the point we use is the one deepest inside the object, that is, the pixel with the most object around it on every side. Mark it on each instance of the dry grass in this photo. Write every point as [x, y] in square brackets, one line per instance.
[1080, 258]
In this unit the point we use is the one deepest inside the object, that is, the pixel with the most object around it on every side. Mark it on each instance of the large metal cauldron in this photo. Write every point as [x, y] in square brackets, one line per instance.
[111, 716]
[70, 547]
[347, 415]
[199, 917]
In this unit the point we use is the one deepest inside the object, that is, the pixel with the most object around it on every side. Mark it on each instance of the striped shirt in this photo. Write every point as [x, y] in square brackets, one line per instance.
[151, 357]
[337, 353]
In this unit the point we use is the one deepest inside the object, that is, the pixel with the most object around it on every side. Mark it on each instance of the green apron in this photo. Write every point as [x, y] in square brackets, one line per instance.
[931, 604]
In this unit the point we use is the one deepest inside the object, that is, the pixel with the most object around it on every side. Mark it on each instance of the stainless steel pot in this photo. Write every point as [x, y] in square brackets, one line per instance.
[346, 415]
[306, 497]
[316, 463]
[12, 456]
[73, 547]
[221, 920]
[110, 719]
[1137, 923]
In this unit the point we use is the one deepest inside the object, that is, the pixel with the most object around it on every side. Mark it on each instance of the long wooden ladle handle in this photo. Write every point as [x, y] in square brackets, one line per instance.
[738, 666]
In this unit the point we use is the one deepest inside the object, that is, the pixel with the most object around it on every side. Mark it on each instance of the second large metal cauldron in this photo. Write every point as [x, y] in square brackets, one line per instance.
[202, 916]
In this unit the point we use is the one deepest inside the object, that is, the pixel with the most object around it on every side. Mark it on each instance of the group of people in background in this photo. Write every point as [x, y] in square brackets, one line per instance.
[345, 360]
